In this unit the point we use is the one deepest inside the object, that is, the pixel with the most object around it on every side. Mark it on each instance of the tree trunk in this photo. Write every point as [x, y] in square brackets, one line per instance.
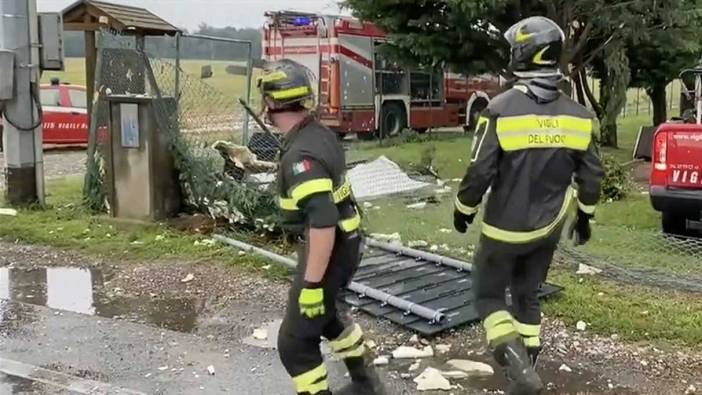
[658, 100]
[579, 92]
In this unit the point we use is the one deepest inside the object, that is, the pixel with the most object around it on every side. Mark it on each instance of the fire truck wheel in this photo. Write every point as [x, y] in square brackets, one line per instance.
[392, 120]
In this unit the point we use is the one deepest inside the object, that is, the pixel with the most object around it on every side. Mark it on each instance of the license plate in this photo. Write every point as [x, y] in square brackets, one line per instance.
[689, 178]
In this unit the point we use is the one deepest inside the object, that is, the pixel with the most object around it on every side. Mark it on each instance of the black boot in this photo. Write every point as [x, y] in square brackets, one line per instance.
[516, 363]
[364, 379]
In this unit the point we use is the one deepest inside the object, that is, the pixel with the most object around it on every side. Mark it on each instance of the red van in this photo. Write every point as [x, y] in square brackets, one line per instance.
[65, 115]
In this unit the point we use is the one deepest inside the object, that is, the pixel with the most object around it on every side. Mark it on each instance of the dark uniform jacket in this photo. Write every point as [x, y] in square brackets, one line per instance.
[536, 158]
[313, 188]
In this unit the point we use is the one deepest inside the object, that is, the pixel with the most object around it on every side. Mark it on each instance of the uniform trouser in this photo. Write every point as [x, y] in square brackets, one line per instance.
[300, 337]
[522, 268]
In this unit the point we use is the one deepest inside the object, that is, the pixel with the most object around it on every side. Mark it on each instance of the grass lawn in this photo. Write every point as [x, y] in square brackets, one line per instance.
[64, 223]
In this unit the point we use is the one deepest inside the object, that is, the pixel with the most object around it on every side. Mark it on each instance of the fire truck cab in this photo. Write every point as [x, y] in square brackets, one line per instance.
[361, 91]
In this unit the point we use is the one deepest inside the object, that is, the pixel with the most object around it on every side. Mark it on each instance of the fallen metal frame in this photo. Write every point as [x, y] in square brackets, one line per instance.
[426, 292]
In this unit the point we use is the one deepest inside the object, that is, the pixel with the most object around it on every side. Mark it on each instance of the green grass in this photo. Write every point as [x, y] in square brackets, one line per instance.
[64, 223]
[633, 313]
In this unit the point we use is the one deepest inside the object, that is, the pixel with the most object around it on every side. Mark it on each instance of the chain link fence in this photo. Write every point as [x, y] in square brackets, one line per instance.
[225, 168]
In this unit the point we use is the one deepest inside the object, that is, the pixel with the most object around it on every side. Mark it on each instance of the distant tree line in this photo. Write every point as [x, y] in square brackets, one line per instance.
[191, 48]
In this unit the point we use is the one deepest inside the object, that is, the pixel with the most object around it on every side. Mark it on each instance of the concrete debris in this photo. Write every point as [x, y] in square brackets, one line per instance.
[205, 242]
[366, 184]
[417, 244]
[190, 277]
[443, 190]
[431, 379]
[260, 333]
[440, 182]
[381, 361]
[211, 370]
[588, 270]
[444, 230]
[565, 368]
[644, 363]
[473, 368]
[367, 204]
[405, 375]
[162, 368]
[581, 325]
[404, 352]
[454, 374]
[394, 237]
[417, 206]
[414, 366]
[370, 344]
[443, 348]
[691, 390]
[434, 248]
[414, 339]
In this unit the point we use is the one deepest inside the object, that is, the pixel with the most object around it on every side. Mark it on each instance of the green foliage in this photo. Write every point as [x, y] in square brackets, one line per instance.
[616, 182]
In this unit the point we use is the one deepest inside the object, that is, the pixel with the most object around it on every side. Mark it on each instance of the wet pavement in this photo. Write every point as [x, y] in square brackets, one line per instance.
[81, 290]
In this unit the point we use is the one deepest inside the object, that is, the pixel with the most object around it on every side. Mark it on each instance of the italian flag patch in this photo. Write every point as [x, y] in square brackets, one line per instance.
[302, 166]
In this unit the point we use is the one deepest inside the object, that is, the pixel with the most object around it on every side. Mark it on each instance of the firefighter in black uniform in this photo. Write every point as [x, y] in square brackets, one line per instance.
[534, 150]
[319, 209]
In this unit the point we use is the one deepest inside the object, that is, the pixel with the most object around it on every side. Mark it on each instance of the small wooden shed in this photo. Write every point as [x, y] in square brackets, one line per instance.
[90, 16]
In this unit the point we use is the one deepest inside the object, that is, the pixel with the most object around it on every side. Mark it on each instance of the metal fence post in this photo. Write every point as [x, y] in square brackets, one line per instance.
[249, 75]
[177, 69]
[638, 97]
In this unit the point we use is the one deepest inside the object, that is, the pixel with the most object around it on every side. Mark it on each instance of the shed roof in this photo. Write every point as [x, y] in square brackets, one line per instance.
[90, 15]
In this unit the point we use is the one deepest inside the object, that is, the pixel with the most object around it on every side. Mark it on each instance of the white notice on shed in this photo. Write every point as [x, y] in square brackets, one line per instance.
[129, 113]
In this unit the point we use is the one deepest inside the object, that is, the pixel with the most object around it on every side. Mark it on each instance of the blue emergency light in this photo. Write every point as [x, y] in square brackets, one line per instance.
[302, 21]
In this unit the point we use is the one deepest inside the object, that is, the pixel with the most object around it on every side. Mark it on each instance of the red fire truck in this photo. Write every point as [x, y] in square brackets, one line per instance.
[359, 90]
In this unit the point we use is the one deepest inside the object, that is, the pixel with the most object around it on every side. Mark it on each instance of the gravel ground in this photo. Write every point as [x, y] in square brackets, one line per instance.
[56, 164]
[236, 301]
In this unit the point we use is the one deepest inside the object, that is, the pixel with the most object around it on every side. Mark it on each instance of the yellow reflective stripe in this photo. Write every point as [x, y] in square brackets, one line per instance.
[290, 93]
[310, 187]
[351, 224]
[586, 208]
[541, 131]
[532, 341]
[525, 237]
[343, 192]
[465, 209]
[528, 330]
[352, 353]
[287, 204]
[312, 381]
[498, 324]
[348, 338]
[275, 76]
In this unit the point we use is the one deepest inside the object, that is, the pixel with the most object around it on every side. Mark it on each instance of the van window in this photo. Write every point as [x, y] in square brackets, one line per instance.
[79, 98]
[50, 97]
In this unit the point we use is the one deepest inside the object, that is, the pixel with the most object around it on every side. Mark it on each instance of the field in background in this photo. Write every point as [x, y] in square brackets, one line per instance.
[227, 84]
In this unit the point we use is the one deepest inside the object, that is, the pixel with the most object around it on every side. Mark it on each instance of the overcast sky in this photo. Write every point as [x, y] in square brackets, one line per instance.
[190, 13]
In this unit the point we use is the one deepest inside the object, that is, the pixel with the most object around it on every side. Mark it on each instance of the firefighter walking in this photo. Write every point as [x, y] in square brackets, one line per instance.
[534, 149]
[319, 211]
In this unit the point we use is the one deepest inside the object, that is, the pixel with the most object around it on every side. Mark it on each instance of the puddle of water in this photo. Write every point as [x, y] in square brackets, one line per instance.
[80, 290]
[17, 385]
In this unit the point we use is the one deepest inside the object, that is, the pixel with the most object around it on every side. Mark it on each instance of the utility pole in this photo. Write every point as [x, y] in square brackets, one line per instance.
[24, 168]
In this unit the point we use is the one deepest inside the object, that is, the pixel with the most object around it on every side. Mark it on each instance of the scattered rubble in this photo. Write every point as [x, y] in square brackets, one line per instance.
[370, 344]
[260, 334]
[431, 379]
[445, 230]
[443, 348]
[367, 204]
[417, 244]
[211, 370]
[472, 368]
[588, 270]
[8, 211]
[405, 352]
[443, 190]
[190, 277]
[691, 390]
[415, 366]
[454, 374]
[414, 339]
[565, 368]
[417, 206]
[389, 238]
[581, 326]
[381, 361]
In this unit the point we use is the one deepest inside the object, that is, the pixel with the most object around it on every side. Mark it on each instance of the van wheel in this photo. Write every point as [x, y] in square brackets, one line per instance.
[674, 224]
[392, 120]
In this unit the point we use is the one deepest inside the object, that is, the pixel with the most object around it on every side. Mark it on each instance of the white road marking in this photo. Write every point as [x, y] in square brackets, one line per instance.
[61, 380]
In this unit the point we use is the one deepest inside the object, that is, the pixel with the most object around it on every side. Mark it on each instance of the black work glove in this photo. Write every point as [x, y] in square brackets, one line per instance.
[461, 221]
[582, 231]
